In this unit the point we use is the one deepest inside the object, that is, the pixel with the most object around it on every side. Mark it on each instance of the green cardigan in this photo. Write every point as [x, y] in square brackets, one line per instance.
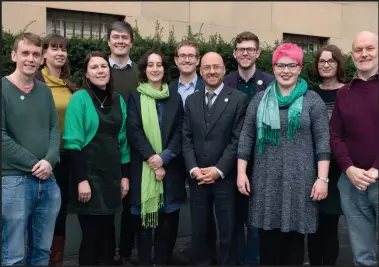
[82, 123]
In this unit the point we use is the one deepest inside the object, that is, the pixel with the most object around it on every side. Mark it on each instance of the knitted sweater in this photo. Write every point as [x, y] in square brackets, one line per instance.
[125, 81]
[30, 129]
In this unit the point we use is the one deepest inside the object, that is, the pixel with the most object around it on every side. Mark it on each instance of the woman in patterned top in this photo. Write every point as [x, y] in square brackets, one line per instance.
[323, 246]
[286, 127]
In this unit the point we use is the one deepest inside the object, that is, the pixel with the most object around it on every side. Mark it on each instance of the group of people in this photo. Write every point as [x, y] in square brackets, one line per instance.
[267, 158]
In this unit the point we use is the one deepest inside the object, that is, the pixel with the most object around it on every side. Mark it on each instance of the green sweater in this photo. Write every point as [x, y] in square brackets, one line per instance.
[125, 81]
[30, 129]
[82, 123]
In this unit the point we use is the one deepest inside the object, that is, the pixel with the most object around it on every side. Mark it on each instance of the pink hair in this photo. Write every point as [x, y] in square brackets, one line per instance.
[288, 50]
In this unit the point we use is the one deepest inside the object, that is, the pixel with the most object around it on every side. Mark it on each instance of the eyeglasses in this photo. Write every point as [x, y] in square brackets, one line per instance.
[290, 66]
[331, 62]
[207, 68]
[184, 56]
[249, 50]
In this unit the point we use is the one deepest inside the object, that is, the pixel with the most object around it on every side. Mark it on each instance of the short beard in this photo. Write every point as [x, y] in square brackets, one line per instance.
[246, 68]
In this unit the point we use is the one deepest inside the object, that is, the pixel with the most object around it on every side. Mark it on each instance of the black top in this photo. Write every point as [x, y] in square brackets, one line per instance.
[332, 203]
[328, 96]
[78, 159]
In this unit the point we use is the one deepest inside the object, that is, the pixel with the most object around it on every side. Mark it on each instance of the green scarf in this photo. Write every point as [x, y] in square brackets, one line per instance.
[268, 118]
[151, 189]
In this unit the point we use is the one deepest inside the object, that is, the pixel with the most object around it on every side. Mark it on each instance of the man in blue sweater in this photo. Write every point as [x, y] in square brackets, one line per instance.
[31, 198]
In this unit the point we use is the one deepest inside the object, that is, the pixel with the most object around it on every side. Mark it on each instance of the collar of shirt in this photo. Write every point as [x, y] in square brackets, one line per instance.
[114, 65]
[217, 91]
[356, 77]
[193, 82]
[251, 80]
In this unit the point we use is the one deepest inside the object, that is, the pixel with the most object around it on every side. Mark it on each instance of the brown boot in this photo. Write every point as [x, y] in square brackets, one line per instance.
[57, 251]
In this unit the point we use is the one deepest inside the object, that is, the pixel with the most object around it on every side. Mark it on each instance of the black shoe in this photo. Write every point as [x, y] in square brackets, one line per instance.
[113, 262]
[179, 259]
[125, 261]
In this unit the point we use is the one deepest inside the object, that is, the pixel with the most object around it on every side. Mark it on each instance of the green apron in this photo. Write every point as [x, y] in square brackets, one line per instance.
[103, 160]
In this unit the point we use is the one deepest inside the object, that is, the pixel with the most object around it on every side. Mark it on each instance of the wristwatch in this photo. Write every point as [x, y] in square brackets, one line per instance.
[325, 179]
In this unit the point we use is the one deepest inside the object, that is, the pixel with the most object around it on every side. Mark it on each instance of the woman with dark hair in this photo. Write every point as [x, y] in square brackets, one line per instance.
[157, 167]
[323, 246]
[95, 138]
[55, 73]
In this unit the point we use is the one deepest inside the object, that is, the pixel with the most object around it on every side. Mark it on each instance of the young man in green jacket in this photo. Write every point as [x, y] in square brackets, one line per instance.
[31, 198]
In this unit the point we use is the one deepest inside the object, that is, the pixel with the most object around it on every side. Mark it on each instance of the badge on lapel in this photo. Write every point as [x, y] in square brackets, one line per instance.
[226, 100]
[259, 82]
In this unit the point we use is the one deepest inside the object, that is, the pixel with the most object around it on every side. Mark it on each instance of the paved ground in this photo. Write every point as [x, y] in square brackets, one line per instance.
[183, 244]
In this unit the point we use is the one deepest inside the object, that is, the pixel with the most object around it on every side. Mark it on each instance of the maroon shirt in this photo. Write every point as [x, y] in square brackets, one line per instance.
[354, 125]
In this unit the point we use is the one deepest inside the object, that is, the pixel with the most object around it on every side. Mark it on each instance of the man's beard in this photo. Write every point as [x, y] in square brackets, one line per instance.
[246, 67]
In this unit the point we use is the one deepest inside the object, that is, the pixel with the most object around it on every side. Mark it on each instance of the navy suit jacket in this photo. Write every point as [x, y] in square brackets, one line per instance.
[232, 80]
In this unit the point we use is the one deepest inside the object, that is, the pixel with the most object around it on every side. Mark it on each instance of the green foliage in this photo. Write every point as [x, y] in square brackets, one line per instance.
[79, 48]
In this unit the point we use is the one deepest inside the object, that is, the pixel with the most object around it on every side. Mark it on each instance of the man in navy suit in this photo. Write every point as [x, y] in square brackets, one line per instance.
[249, 80]
[212, 124]
[187, 58]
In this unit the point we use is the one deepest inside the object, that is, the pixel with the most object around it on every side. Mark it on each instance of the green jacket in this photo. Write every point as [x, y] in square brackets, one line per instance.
[82, 123]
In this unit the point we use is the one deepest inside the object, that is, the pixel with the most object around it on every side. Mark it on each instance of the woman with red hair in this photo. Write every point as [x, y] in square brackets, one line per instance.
[286, 127]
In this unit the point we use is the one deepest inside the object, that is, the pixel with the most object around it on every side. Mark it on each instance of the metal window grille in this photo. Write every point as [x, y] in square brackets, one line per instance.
[307, 42]
[78, 23]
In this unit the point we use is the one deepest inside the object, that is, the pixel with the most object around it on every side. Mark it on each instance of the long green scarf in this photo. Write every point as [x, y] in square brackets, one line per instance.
[268, 118]
[151, 189]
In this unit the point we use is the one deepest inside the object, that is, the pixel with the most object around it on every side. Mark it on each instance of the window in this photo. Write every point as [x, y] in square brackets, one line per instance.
[70, 23]
[308, 43]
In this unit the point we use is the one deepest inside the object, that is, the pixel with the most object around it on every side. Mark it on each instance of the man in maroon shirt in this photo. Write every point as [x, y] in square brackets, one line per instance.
[354, 142]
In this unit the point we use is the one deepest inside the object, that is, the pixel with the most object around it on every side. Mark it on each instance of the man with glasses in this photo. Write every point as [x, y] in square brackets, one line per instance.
[213, 119]
[187, 58]
[249, 80]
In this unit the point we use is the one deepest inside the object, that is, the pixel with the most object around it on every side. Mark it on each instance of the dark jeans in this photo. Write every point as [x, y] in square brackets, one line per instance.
[164, 239]
[128, 229]
[278, 248]
[323, 246]
[98, 244]
[247, 244]
[221, 195]
[62, 175]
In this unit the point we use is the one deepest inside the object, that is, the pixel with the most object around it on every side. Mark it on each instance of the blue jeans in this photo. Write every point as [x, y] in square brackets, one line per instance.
[361, 210]
[29, 205]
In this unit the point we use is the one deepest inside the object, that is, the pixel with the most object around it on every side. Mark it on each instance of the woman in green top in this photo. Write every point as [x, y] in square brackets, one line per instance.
[95, 138]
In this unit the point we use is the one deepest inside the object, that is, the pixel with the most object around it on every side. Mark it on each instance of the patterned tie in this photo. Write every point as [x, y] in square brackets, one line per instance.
[210, 95]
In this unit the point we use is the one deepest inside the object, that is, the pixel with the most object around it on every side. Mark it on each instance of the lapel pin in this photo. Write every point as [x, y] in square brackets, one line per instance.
[22, 97]
[226, 100]
[260, 82]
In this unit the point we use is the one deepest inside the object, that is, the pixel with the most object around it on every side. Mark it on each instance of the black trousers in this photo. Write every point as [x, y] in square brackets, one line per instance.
[164, 239]
[323, 246]
[221, 196]
[278, 248]
[128, 229]
[98, 244]
[62, 175]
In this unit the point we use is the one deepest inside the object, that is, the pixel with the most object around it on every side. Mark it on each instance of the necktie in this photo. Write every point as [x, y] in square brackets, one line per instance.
[210, 95]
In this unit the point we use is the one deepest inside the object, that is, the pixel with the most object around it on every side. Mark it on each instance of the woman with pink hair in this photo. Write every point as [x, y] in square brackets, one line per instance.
[286, 127]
